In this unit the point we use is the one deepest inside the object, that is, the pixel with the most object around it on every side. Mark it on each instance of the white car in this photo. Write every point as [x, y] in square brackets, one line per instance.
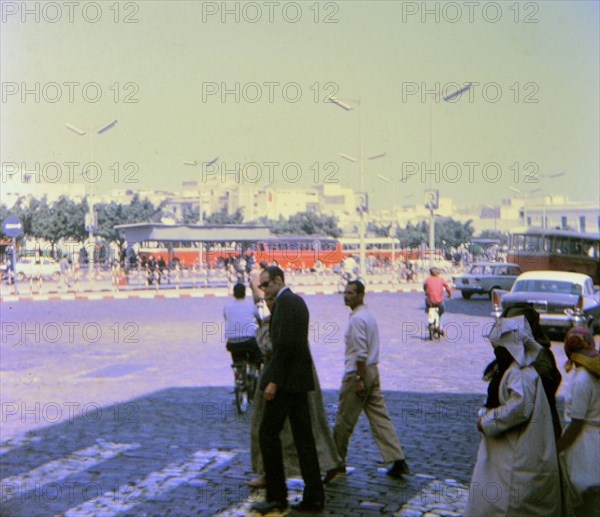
[27, 267]
[561, 298]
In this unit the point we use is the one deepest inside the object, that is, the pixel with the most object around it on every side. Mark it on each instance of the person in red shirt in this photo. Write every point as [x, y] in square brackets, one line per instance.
[434, 291]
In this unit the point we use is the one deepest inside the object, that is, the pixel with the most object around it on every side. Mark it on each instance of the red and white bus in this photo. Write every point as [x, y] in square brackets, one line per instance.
[289, 251]
[381, 248]
[556, 250]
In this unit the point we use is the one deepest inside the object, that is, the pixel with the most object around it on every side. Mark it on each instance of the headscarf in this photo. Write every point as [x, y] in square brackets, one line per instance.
[533, 318]
[580, 348]
[515, 335]
[512, 341]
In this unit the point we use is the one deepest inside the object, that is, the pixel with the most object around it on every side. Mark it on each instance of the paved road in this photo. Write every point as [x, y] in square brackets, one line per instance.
[124, 406]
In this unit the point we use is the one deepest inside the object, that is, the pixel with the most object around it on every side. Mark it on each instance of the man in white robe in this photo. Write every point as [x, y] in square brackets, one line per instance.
[516, 473]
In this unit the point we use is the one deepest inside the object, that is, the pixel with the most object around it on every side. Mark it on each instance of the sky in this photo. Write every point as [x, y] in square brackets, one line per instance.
[249, 82]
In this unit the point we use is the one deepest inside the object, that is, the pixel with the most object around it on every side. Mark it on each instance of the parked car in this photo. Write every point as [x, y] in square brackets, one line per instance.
[27, 267]
[484, 277]
[562, 299]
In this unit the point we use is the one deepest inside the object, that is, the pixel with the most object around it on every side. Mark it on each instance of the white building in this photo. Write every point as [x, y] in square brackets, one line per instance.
[36, 183]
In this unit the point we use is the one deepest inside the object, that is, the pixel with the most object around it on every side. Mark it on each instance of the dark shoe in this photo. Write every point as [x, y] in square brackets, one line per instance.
[398, 469]
[265, 507]
[334, 473]
[306, 507]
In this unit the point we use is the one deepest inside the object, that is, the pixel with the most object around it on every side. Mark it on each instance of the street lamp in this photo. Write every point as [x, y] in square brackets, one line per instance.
[195, 163]
[387, 180]
[431, 204]
[544, 222]
[90, 218]
[362, 208]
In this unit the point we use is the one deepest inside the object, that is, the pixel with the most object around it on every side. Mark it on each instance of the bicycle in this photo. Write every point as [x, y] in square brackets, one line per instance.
[433, 323]
[346, 277]
[245, 374]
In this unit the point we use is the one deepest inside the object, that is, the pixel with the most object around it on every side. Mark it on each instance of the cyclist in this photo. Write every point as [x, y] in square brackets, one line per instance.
[434, 287]
[241, 321]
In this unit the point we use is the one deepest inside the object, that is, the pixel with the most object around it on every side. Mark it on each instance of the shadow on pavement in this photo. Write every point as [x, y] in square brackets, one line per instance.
[185, 451]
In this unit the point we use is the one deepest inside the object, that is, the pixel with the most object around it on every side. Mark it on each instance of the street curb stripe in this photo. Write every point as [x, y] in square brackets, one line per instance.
[134, 493]
[56, 470]
[303, 290]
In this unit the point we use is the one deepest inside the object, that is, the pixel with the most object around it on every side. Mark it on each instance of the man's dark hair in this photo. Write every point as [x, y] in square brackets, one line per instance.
[264, 264]
[239, 291]
[360, 287]
[274, 272]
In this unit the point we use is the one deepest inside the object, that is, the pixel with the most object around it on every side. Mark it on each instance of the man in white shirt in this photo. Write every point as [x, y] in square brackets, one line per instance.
[241, 322]
[361, 389]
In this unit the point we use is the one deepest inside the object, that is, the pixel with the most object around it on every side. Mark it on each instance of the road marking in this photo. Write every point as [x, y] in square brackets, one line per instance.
[56, 470]
[446, 497]
[136, 492]
[295, 489]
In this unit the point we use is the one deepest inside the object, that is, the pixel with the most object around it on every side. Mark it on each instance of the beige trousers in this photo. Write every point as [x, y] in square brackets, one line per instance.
[349, 409]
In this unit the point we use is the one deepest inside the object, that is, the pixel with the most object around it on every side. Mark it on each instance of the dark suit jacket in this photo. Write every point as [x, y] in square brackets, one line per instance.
[291, 363]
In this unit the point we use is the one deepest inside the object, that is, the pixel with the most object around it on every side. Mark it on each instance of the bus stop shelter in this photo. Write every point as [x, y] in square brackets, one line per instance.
[205, 236]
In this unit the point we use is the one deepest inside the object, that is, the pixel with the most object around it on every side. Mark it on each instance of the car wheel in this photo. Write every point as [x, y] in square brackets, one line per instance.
[492, 290]
[466, 294]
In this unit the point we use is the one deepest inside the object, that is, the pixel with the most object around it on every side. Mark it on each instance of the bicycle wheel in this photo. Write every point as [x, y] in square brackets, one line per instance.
[252, 381]
[242, 397]
[242, 400]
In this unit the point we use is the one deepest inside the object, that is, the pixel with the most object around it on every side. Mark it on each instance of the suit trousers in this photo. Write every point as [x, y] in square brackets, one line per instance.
[350, 407]
[295, 407]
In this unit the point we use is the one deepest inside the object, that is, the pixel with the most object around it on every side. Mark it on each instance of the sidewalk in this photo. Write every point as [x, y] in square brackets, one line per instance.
[102, 288]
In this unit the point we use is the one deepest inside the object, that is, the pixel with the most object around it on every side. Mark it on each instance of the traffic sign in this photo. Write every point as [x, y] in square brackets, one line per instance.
[12, 226]
[432, 199]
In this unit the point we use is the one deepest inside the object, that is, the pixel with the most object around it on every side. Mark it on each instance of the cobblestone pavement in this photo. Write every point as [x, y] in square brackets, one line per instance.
[135, 415]
[185, 451]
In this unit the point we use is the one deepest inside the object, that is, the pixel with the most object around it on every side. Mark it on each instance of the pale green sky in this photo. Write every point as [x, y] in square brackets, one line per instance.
[377, 50]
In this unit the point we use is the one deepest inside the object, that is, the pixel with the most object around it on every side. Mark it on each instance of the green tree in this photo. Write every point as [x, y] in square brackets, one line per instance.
[189, 214]
[137, 211]
[222, 217]
[449, 232]
[413, 236]
[311, 223]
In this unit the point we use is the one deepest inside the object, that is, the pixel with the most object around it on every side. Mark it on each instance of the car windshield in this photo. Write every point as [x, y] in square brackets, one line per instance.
[547, 286]
[478, 270]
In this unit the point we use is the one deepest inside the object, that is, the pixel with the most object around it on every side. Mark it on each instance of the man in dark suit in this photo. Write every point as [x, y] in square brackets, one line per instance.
[285, 383]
